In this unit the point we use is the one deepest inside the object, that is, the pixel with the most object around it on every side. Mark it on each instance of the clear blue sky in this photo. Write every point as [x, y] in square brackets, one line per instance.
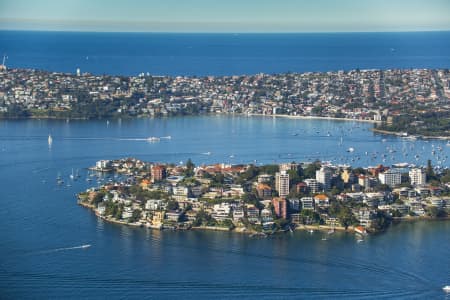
[226, 15]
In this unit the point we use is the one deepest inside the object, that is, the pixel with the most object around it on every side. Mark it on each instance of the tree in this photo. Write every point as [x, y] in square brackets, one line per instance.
[172, 205]
[436, 212]
[189, 168]
[430, 172]
[294, 177]
[136, 216]
[310, 170]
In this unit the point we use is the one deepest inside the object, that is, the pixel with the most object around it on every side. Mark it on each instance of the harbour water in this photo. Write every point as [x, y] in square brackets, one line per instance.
[45, 233]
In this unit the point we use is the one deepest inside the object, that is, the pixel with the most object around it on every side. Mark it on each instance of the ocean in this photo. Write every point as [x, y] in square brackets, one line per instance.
[222, 54]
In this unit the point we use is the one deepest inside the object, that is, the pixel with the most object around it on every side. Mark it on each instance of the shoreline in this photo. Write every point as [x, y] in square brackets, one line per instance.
[250, 232]
[419, 136]
[315, 118]
[299, 117]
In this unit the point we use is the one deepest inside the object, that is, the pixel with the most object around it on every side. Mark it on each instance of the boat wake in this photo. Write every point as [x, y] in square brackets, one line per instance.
[85, 246]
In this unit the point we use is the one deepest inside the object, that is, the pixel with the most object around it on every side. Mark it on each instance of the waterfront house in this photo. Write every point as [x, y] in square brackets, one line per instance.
[173, 215]
[321, 201]
[252, 213]
[238, 214]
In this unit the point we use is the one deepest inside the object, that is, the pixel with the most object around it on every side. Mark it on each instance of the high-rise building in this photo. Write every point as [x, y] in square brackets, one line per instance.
[280, 207]
[282, 183]
[417, 176]
[323, 176]
[158, 173]
[390, 177]
[313, 185]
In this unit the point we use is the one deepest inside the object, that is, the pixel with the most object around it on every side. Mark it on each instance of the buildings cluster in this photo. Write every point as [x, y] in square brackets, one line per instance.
[358, 94]
[247, 196]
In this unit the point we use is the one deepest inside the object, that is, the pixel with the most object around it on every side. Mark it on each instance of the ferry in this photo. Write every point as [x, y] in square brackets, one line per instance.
[153, 139]
[400, 165]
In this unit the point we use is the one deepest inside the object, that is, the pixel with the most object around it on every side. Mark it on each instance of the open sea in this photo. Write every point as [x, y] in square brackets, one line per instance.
[222, 54]
[43, 229]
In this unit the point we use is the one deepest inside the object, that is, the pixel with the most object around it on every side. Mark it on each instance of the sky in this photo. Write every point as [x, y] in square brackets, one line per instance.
[225, 15]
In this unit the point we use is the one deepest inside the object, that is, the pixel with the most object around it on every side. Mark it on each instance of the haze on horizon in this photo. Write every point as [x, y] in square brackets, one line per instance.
[235, 16]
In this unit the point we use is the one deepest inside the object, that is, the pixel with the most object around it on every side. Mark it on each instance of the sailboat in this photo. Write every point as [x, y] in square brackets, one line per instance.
[59, 179]
[50, 140]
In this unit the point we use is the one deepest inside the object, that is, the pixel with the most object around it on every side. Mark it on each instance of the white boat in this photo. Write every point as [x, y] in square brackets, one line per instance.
[311, 231]
[50, 140]
[59, 179]
[351, 149]
[72, 176]
[400, 165]
[166, 137]
[446, 288]
[85, 246]
[153, 139]
[206, 153]
[359, 240]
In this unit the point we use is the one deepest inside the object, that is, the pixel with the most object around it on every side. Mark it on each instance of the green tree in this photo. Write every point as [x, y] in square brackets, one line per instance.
[136, 216]
[310, 170]
[172, 205]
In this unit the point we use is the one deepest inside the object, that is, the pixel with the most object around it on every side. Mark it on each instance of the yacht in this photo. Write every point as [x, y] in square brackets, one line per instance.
[59, 179]
[446, 288]
[351, 149]
[50, 140]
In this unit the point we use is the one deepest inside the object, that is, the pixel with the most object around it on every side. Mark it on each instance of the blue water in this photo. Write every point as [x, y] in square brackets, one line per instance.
[223, 54]
[43, 228]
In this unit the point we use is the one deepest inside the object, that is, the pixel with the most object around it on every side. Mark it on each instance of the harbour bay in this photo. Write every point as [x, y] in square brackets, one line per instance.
[44, 231]
[39, 218]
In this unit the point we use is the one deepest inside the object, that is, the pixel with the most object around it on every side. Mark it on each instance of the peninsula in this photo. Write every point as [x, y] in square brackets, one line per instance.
[265, 199]
[404, 102]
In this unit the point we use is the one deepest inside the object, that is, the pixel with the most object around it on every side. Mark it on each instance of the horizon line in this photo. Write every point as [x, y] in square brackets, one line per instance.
[225, 32]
